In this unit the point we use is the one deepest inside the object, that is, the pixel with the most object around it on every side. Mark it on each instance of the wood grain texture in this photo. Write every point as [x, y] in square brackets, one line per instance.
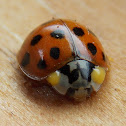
[24, 102]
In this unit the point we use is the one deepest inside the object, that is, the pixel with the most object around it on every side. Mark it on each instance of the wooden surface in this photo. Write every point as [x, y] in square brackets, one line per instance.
[24, 102]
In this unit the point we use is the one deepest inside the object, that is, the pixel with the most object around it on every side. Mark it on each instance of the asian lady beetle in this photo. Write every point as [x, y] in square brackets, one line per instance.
[67, 55]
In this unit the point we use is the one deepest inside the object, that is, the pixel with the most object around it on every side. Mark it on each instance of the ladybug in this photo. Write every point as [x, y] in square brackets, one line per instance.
[65, 54]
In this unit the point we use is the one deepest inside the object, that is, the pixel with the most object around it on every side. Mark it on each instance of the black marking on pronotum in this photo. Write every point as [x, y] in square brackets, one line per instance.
[91, 66]
[36, 39]
[55, 52]
[26, 59]
[41, 64]
[65, 70]
[92, 48]
[89, 78]
[73, 76]
[58, 34]
[78, 31]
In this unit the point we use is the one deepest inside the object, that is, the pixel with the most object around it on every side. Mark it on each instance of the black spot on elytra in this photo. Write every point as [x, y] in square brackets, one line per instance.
[26, 59]
[92, 48]
[78, 31]
[41, 64]
[55, 52]
[91, 32]
[103, 55]
[36, 39]
[58, 34]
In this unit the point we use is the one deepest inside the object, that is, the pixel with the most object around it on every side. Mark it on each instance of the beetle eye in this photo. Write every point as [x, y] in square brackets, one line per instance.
[98, 75]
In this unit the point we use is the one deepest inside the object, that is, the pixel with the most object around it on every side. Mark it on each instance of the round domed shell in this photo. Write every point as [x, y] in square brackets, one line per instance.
[53, 44]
